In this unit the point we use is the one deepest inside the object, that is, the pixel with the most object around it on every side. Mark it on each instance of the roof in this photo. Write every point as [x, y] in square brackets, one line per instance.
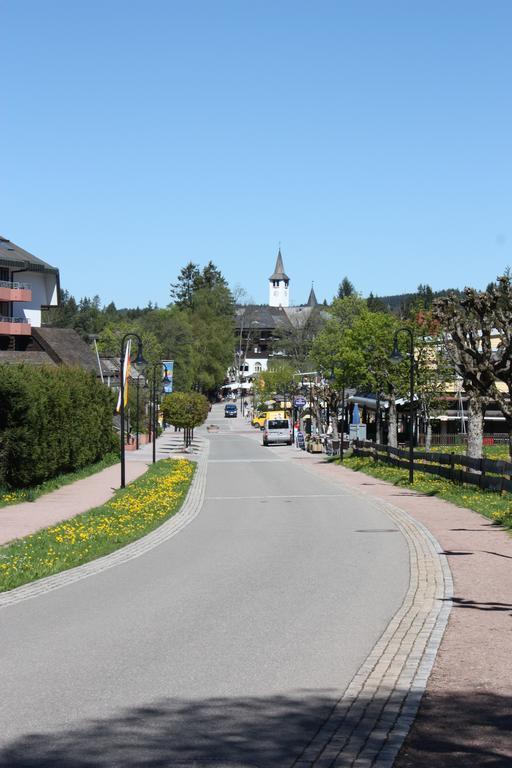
[64, 345]
[312, 301]
[279, 273]
[13, 256]
[259, 317]
[112, 365]
[33, 357]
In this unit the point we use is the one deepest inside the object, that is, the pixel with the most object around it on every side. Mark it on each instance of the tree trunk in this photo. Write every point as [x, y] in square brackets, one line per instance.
[392, 431]
[428, 436]
[475, 426]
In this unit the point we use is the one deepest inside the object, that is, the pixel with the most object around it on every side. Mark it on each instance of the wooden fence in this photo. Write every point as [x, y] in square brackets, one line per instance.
[491, 474]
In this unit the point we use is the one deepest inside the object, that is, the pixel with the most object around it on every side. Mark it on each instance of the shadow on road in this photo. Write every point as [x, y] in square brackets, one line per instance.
[456, 730]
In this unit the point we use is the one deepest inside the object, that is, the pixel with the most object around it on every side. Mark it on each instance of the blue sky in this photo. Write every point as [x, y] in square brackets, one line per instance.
[371, 139]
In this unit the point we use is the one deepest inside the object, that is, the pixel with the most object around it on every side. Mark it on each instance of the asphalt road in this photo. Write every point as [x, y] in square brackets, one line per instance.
[228, 645]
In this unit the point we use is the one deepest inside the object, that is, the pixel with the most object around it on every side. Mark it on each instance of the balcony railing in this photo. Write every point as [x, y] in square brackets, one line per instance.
[4, 319]
[15, 291]
[16, 285]
[15, 326]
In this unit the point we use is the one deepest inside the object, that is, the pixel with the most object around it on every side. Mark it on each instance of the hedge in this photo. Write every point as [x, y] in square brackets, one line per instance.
[52, 420]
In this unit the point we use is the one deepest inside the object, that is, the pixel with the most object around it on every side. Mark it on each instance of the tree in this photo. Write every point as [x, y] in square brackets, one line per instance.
[358, 351]
[295, 341]
[375, 304]
[185, 410]
[277, 379]
[183, 290]
[345, 289]
[469, 324]
[433, 369]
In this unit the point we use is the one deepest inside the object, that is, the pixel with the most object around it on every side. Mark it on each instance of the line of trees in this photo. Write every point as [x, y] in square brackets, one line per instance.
[464, 335]
[196, 329]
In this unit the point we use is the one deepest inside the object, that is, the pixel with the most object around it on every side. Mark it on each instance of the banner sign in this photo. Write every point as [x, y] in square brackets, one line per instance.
[167, 375]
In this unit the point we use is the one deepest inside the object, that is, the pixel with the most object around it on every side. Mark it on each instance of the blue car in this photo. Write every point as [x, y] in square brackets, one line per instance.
[230, 411]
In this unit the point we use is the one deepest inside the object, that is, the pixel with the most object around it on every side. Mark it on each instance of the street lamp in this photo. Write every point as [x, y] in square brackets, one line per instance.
[332, 377]
[165, 380]
[138, 361]
[397, 357]
[137, 414]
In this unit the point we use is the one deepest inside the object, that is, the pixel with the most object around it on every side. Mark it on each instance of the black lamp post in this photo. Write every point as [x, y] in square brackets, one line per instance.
[332, 377]
[138, 361]
[397, 357]
[137, 420]
[165, 380]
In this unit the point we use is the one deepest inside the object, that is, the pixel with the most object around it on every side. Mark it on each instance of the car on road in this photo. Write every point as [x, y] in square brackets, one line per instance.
[277, 431]
[230, 411]
[259, 419]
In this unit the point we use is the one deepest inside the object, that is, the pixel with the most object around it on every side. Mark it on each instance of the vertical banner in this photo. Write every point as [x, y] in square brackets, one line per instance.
[125, 374]
[167, 375]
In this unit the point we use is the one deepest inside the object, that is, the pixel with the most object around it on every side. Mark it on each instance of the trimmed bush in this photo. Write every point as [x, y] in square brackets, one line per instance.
[52, 420]
[185, 409]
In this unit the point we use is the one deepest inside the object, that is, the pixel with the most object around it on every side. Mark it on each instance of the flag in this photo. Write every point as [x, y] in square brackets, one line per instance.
[125, 374]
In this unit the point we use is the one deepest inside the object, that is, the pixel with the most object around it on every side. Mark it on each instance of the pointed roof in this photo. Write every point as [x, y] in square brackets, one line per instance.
[279, 273]
[312, 301]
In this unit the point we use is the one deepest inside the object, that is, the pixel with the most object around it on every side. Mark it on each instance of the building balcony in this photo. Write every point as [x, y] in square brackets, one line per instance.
[15, 291]
[14, 326]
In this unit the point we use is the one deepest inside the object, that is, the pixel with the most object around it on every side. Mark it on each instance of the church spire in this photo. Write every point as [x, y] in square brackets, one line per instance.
[278, 281]
[312, 301]
[279, 273]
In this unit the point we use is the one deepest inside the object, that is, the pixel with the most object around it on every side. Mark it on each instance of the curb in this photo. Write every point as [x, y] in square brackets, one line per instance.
[189, 510]
[369, 723]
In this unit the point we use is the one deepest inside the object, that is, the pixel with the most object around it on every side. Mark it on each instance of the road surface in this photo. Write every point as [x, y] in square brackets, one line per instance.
[228, 645]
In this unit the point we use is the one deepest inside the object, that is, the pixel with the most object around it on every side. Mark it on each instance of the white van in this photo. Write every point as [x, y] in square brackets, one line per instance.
[277, 431]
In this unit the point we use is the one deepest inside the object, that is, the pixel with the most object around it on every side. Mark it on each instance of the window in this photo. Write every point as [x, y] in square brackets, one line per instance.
[257, 367]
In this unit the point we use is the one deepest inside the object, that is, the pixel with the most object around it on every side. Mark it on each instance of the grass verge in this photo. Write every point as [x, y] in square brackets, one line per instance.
[131, 513]
[495, 506]
[16, 496]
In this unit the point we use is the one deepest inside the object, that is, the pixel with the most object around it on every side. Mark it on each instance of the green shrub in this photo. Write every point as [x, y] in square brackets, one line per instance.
[185, 409]
[52, 420]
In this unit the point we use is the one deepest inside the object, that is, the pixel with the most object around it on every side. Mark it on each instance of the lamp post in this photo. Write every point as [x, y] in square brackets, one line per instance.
[137, 414]
[397, 357]
[165, 380]
[342, 415]
[139, 361]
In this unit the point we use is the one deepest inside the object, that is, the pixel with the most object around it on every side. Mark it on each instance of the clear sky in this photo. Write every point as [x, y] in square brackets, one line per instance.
[371, 139]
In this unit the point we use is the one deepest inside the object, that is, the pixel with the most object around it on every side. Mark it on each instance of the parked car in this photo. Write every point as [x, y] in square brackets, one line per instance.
[277, 431]
[259, 419]
[230, 411]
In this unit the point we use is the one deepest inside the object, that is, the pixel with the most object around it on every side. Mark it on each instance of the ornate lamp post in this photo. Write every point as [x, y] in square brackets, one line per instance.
[342, 434]
[397, 357]
[138, 361]
[137, 414]
[154, 398]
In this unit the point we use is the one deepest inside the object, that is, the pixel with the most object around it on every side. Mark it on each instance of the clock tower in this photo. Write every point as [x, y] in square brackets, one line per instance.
[278, 288]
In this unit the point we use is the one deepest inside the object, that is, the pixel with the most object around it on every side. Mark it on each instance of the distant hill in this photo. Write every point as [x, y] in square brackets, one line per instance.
[401, 301]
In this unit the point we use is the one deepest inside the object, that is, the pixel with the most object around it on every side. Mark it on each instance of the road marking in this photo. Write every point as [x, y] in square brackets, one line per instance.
[282, 496]
[246, 461]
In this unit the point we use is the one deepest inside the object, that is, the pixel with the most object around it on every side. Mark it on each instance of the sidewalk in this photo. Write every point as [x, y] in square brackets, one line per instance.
[466, 713]
[20, 520]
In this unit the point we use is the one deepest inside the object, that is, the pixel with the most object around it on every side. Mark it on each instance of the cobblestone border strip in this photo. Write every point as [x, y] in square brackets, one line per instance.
[189, 510]
[369, 723]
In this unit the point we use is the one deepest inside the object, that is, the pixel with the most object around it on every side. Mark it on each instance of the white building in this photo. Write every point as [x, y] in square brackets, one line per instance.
[278, 285]
[27, 284]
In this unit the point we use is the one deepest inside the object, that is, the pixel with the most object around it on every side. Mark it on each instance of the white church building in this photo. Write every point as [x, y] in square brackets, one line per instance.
[259, 327]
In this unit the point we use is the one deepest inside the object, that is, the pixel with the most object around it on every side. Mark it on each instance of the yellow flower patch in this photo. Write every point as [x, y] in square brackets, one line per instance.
[138, 509]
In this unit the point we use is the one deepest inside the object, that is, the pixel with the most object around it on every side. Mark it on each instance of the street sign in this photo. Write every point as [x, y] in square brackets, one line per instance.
[299, 401]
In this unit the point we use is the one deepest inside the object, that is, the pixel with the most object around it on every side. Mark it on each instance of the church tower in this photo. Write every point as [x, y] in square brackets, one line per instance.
[278, 294]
